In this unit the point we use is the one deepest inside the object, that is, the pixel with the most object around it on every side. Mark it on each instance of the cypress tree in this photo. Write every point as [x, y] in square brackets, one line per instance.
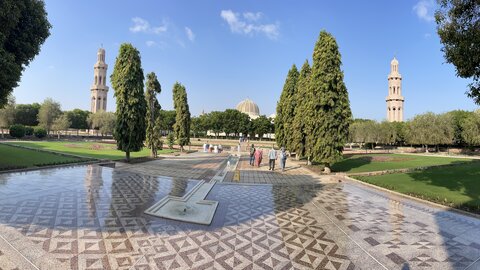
[285, 111]
[127, 81]
[300, 110]
[182, 117]
[153, 140]
[329, 115]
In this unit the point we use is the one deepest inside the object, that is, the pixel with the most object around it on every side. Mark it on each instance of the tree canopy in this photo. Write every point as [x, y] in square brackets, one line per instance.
[458, 25]
[153, 140]
[127, 81]
[182, 117]
[24, 28]
[49, 111]
[300, 111]
[285, 110]
[328, 124]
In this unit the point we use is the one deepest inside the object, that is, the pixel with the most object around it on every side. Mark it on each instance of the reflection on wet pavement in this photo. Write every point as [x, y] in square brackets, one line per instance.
[91, 217]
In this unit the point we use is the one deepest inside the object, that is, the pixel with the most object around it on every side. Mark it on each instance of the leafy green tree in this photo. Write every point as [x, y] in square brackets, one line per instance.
[26, 114]
[244, 124]
[78, 118]
[102, 121]
[285, 110]
[430, 129]
[216, 122]
[182, 119]
[61, 123]
[7, 114]
[167, 119]
[261, 126]
[170, 140]
[458, 24]
[458, 116]
[127, 81]
[471, 129]
[328, 123]
[24, 28]
[154, 138]
[17, 131]
[48, 112]
[298, 134]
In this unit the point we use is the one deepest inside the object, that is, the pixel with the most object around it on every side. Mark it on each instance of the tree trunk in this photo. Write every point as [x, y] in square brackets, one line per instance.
[58, 133]
[3, 136]
[127, 156]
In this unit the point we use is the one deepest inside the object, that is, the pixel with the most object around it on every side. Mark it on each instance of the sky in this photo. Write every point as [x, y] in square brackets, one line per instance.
[226, 51]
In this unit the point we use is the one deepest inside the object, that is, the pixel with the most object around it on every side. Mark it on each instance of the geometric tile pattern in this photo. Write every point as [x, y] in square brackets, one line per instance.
[90, 217]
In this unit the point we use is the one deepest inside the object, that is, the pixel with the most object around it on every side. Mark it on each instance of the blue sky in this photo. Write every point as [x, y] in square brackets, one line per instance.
[226, 51]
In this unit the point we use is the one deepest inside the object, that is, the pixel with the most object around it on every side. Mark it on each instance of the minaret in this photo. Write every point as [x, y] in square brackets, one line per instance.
[394, 99]
[99, 90]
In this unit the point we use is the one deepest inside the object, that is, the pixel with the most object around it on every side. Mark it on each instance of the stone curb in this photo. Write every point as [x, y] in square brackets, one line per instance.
[405, 196]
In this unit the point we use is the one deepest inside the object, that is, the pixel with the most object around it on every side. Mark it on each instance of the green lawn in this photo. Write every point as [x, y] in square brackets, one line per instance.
[456, 186]
[380, 162]
[88, 149]
[14, 158]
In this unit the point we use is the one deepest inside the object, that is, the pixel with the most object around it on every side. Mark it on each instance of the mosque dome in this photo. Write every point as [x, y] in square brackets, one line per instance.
[249, 107]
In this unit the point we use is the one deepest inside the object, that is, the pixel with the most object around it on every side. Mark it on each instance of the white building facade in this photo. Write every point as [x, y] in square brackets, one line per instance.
[99, 89]
[395, 100]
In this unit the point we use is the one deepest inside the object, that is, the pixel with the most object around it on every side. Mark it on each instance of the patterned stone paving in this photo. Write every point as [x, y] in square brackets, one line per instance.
[91, 217]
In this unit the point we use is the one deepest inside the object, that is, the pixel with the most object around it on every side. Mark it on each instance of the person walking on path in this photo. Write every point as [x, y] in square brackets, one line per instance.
[258, 156]
[272, 156]
[283, 158]
[252, 155]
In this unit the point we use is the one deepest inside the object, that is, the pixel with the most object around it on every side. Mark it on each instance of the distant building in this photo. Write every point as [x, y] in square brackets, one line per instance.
[249, 107]
[394, 99]
[99, 90]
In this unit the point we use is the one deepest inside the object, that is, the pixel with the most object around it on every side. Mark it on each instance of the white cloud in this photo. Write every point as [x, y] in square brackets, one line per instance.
[150, 43]
[249, 25]
[427, 35]
[143, 26]
[190, 34]
[250, 16]
[424, 10]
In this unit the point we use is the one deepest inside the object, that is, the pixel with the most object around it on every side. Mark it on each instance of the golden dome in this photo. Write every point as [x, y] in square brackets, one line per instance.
[249, 107]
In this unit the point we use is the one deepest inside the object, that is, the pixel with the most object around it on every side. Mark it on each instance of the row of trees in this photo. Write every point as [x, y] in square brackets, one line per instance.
[232, 123]
[313, 113]
[49, 116]
[459, 128]
[138, 114]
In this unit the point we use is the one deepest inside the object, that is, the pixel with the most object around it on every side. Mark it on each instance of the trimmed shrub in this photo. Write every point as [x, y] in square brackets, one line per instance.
[17, 131]
[28, 131]
[39, 132]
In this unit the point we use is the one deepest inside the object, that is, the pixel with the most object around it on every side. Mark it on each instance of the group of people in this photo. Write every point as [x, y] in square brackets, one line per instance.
[256, 156]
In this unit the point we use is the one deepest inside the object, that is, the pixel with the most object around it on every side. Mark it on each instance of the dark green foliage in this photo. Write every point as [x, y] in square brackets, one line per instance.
[170, 140]
[459, 30]
[167, 119]
[458, 117]
[329, 117]
[28, 131]
[40, 132]
[26, 114]
[127, 81]
[154, 137]
[182, 118]
[300, 111]
[17, 131]
[24, 27]
[285, 111]
[48, 112]
[261, 125]
[78, 118]
[215, 122]
[234, 122]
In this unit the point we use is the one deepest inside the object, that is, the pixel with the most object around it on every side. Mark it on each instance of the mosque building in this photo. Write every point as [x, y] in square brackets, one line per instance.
[249, 107]
[394, 99]
[99, 89]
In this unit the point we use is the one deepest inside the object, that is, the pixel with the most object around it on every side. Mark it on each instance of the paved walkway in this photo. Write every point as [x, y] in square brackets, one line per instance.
[91, 217]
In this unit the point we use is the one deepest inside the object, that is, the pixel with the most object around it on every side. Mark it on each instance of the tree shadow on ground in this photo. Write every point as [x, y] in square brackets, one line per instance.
[462, 177]
[350, 162]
